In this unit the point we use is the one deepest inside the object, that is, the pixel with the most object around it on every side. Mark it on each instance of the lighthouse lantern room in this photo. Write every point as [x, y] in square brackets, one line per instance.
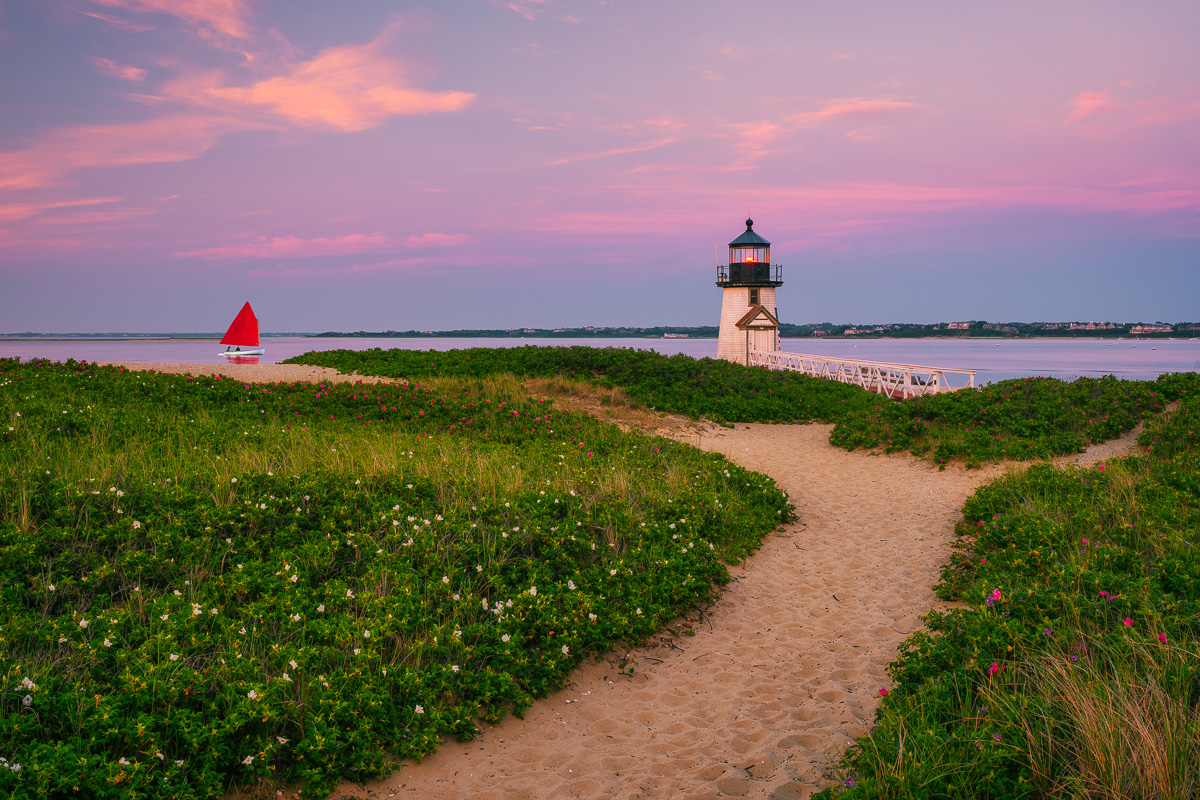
[749, 316]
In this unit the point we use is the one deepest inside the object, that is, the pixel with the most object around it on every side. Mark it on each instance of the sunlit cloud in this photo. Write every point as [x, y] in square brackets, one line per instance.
[157, 141]
[437, 240]
[123, 71]
[228, 17]
[348, 88]
[529, 9]
[851, 108]
[295, 247]
[620, 151]
[11, 212]
[117, 22]
[1089, 104]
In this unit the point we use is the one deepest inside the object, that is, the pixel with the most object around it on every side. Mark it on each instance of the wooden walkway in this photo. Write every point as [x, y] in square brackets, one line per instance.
[892, 380]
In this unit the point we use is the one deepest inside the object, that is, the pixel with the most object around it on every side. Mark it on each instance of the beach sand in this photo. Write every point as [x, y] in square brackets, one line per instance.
[783, 671]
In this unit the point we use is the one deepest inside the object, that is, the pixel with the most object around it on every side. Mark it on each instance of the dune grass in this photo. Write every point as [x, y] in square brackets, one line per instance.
[1075, 670]
[208, 585]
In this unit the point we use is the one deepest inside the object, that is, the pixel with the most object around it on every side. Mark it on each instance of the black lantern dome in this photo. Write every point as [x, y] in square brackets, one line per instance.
[749, 262]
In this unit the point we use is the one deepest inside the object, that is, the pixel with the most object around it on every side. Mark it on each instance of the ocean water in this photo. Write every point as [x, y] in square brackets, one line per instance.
[992, 359]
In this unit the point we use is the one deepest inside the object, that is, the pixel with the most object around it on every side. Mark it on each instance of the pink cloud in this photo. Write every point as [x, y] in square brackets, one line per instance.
[11, 212]
[295, 247]
[123, 71]
[228, 17]
[1089, 104]
[851, 108]
[526, 8]
[117, 22]
[436, 240]
[156, 141]
[349, 88]
[620, 151]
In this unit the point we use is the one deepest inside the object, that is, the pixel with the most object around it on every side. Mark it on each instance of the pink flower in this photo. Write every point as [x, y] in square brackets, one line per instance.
[1128, 622]
[996, 594]
[1162, 637]
[1085, 541]
[883, 692]
[1104, 594]
[994, 668]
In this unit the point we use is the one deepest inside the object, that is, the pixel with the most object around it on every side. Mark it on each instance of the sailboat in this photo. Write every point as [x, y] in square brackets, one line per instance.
[242, 337]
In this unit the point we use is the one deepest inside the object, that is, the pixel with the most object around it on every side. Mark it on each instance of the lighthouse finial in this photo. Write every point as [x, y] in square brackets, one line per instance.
[749, 223]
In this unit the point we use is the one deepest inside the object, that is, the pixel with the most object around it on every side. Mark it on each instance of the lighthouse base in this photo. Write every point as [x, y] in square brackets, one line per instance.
[735, 343]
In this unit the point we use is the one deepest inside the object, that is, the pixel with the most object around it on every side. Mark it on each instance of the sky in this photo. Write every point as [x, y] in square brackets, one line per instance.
[382, 164]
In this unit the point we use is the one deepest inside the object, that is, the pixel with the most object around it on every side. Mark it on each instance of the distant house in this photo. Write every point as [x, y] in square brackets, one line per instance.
[959, 326]
[1151, 329]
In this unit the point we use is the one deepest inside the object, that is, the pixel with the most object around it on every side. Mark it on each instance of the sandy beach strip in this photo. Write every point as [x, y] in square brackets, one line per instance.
[251, 373]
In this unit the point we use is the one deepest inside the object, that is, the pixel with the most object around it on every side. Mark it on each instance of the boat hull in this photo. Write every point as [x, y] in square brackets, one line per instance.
[235, 353]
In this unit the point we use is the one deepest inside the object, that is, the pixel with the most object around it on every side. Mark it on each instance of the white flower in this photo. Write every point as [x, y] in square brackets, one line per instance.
[27, 700]
[483, 602]
[478, 568]
[592, 617]
[395, 508]
[253, 695]
[295, 617]
[357, 650]
[83, 623]
[124, 761]
[419, 709]
[197, 611]
[234, 480]
[136, 524]
[242, 631]
[164, 617]
[287, 678]
[292, 663]
[107, 643]
[281, 740]
[120, 493]
[295, 578]
[533, 591]
[504, 638]
[571, 585]
[349, 593]
[612, 572]
[174, 657]
[52, 588]
[639, 611]
[178, 593]
[366, 634]
[445, 579]
[248, 760]
[566, 650]
[160, 756]
[458, 633]
[454, 668]
[321, 608]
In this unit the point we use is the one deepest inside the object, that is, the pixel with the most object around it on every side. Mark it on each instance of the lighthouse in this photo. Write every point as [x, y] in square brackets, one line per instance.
[749, 316]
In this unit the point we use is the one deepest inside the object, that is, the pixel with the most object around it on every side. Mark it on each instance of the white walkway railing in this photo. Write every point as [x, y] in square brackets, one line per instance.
[891, 380]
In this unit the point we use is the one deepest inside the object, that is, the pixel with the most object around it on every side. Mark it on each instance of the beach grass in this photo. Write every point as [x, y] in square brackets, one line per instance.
[1023, 419]
[210, 585]
[1074, 670]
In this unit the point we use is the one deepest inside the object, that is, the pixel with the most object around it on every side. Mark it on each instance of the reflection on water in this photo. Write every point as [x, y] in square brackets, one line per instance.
[991, 359]
[241, 359]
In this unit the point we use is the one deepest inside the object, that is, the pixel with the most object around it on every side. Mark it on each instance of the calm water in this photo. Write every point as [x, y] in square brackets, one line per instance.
[993, 360]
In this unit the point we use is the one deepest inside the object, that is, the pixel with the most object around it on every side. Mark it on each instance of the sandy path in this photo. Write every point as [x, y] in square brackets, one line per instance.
[783, 674]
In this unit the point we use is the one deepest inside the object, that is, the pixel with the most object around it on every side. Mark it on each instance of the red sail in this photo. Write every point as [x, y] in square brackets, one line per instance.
[244, 330]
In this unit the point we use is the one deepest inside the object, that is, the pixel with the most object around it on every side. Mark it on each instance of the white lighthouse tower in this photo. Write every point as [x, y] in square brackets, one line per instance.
[749, 316]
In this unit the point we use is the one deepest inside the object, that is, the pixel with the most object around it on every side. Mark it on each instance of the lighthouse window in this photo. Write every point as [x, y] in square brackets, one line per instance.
[754, 297]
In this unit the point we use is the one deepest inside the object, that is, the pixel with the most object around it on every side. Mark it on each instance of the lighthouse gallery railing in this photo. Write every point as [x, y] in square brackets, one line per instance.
[891, 380]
